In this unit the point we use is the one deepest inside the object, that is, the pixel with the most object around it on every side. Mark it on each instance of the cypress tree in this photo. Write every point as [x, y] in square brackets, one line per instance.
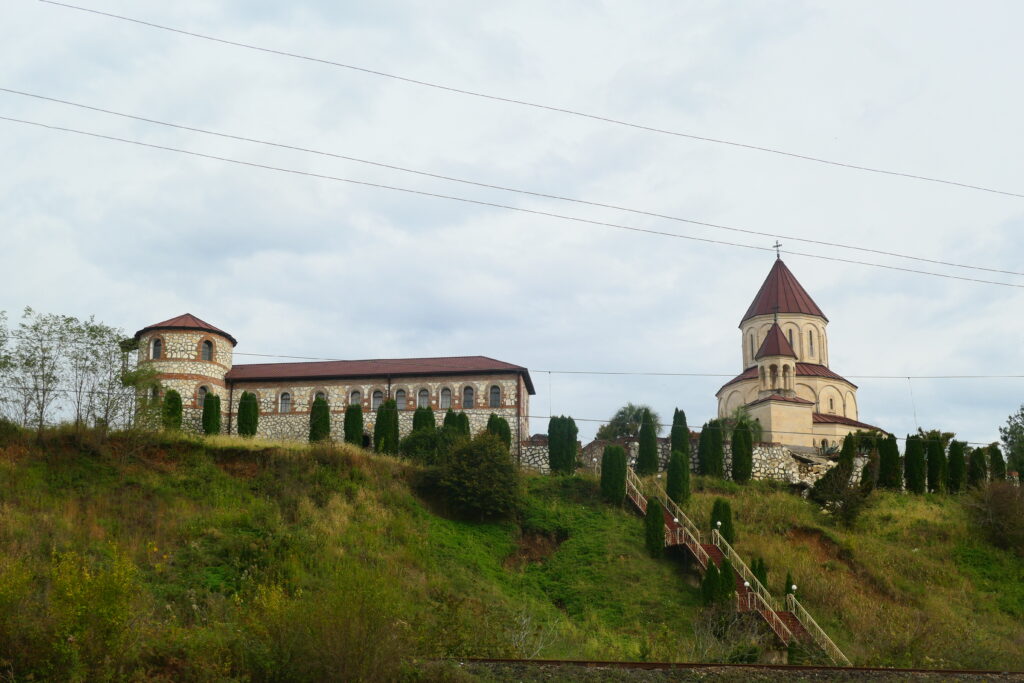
[709, 586]
[742, 453]
[914, 465]
[936, 466]
[211, 414]
[889, 476]
[499, 427]
[647, 458]
[680, 435]
[571, 435]
[716, 456]
[760, 570]
[726, 581]
[997, 466]
[451, 419]
[462, 420]
[869, 473]
[170, 411]
[613, 474]
[385, 429]
[677, 485]
[555, 444]
[721, 511]
[319, 420]
[788, 588]
[977, 468]
[654, 528]
[703, 449]
[354, 424]
[423, 418]
[957, 467]
[248, 414]
[835, 483]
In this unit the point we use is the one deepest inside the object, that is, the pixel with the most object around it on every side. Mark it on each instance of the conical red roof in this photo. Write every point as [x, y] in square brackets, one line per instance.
[775, 344]
[186, 321]
[781, 289]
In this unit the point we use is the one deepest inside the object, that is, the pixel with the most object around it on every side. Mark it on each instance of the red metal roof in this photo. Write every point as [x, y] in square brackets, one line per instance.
[390, 367]
[787, 399]
[781, 289]
[775, 344]
[822, 418]
[802, 370]
[186, 321]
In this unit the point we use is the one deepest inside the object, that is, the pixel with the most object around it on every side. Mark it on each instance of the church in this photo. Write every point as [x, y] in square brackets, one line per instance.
[786, 382]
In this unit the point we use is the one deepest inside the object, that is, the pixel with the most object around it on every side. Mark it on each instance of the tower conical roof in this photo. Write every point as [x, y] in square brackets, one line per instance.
[775, 344]
[781, 289]
[186, 321]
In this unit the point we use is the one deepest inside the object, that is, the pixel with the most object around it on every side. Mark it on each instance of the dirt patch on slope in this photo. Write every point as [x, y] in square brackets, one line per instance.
[533, 548]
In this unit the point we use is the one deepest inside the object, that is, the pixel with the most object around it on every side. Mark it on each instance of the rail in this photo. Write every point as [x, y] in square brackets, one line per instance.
[678, 515]
[686, 533]
[633, 490]
[763, 602]
[816, 632]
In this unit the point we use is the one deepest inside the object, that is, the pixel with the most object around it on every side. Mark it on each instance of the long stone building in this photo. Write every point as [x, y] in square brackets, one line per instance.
[786, 381]
[195, 358]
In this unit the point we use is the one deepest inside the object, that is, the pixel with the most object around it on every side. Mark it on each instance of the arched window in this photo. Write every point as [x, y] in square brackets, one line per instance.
[400, 399]
[201, 396]
[495, 398]
[446, 398]
[158, 349]
[320, 394]
[378, 398]
[467, 398]
[206, 352]
[810, 342]
[285, 402]
[423, 399]
[355, 399]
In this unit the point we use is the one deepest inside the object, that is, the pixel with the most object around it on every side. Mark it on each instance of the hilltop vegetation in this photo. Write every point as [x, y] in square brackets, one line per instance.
[178, 558]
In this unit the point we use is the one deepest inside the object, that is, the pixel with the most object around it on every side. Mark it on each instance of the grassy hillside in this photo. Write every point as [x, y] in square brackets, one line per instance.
[182, 559]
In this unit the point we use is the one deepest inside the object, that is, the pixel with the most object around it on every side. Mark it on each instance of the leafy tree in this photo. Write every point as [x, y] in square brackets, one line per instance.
[726, 581]
[626, 423]
[680, 435]
[914, 465]
[385, 429]
[654, 528]
[478, 480]
[647, 458]
[957, 467]
[171, 413]
[936, 466]
[423, 418]
[937, 434]
[742, 453]
[889, 476]
[248, 414]
[709, 586]
[354, 424]
[869, 473]
[211, 414]
[721, 511]
[613, 474]
[996, 464]
[677, 483]
[422, 445]
[977, 468]
[319, 420]
[499, 426]
[741, 416]
[1012, 436]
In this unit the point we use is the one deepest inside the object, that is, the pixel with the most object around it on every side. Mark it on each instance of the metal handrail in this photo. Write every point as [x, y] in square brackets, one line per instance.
[688, 531]
[674, 510]
[740, 566]
[755, 603]
[816, 632]
[633, 490]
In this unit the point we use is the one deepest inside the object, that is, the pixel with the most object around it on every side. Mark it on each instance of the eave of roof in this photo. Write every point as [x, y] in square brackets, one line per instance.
[802, 370]
[822, 418]
[785, 399]
[186, 321]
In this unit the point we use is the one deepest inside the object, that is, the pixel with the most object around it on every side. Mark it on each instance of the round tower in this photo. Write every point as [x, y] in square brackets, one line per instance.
[192, 357]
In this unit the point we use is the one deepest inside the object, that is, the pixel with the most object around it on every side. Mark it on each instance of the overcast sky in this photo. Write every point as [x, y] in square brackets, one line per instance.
[309, 267]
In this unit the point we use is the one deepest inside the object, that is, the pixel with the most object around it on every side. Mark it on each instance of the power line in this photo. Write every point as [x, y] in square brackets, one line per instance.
[503, 188]
[477, 202]
[536, 105]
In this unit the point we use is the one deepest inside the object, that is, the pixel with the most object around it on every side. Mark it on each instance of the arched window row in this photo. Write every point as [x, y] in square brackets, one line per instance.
[286, 401]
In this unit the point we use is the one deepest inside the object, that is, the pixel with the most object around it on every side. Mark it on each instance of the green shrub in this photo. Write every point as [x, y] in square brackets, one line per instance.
[726, 581]
[742, 453]
[996, 464]
[721, 511]
[423, 418]
[211, 414]
[788, 588]
[171, 410]
[998, 510]
[831, 488]
[451, 419]
[499, 427]
[385, 429]
[562, 444]
[914, 465]
[710, 588]
[354, 424]
[977, 467]
[613, 474]
[647, 458]
[759, 568]
[248, 414]
[936, 466]
[869, 473]
[479, 480]
[319, 420]
[957, 467]
[463, 422]
[680, 435]
[677, 484]
[654, 528]
[889, 476]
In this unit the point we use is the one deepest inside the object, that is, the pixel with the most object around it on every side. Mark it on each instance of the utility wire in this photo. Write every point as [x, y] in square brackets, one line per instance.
[478, 202]
[503, 188]
[536, 105]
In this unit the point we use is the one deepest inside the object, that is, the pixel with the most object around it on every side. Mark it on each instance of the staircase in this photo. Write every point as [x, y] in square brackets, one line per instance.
[793, 623]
